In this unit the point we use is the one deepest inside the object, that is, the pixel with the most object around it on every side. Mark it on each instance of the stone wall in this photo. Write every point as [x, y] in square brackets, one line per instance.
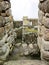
[43, 29]
[10, 32]
[7, 34]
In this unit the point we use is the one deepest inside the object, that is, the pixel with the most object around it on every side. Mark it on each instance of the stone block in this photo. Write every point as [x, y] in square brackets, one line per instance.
[47, 15]
[5, 5]
[3, 14]
[8, 12]
[2, 31]
[0, 7]
[44, 6]
[8, 26]
[2, 21]
[41, 16]
[41, 30]
[9, 19]
[46, 35]
[39, 42]
[46, 23]
[45, 49]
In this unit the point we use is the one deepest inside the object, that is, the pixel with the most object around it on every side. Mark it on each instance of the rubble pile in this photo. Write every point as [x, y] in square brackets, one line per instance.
[43, 29]
[7, 34]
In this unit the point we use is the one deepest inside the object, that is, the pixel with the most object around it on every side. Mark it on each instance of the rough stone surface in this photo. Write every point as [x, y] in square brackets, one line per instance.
[2, 32]
[46, 23]
[41, 15]
[43, 30]
[5, 5]
[46, 34]
[44, 6]
[7, 34]
[2, 21]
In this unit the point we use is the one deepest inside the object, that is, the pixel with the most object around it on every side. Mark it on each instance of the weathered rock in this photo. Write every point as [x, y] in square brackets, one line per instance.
[0, 7]
[45, 50]
[11, 18]
[46, 23]
[2, 21]
[3, 40]
[24, 45]
[2, 31]
[8, 26]
[31, 46]
[45, 45]
[5, 5]
[41, 30]
[41, 15]
[12, 36]
[3, 14]
[36, 49]
[47, 15]
[46, 35]
[25, 49]
[39, 42]
[7, 34]
[8, 19]
[4, 48]
[8, 12]
[5, 52]
[44, 6]
[18, 44]
[7, 48]
[40, 33]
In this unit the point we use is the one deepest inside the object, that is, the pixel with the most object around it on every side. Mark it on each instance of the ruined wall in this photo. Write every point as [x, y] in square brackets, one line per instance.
[43, 28]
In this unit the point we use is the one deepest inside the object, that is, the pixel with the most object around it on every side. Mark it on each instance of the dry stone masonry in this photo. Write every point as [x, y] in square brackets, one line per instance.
[43, 29]
[11, 32]
[7, 34]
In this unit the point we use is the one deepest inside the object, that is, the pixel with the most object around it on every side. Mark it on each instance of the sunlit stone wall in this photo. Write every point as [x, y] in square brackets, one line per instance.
[43, 28]
[7, 34]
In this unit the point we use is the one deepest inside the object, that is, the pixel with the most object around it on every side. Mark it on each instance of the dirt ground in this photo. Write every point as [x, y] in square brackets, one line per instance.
[26, 62]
